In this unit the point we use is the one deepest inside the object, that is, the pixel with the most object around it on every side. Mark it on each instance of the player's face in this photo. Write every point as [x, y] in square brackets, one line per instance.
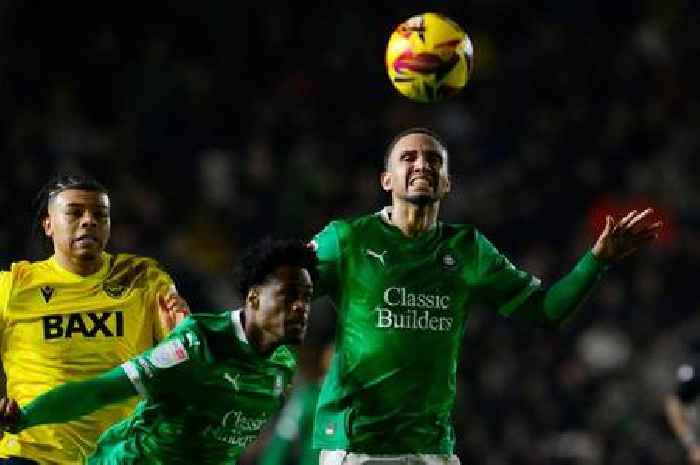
[285, 300]
[417, 170]
[78, 223]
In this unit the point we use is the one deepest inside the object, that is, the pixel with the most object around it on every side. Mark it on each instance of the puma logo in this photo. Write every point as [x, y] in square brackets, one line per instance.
[378, 256]
[233, 380]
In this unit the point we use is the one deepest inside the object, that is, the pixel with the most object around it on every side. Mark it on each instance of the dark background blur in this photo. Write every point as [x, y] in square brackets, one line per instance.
[213, 124]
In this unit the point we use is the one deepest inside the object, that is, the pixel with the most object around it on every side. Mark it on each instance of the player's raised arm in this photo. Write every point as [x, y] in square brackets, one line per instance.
[326, 246]
[67, 401]
[683, 426]
[618, 240]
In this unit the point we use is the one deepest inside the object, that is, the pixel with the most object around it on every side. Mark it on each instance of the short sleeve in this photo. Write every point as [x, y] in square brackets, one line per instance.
[162, 366]
[498, 282]
[327, 247]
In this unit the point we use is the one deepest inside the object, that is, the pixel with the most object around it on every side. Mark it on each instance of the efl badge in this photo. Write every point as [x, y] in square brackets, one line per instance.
[168, 354]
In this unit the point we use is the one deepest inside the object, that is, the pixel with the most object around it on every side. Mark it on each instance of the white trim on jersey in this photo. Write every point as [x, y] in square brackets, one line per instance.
[238, 325]
[385, 214]
[134, 377]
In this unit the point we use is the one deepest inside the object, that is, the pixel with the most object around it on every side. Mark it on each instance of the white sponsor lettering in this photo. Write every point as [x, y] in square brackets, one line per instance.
[399, 296]
[412, 319]
[236, 428]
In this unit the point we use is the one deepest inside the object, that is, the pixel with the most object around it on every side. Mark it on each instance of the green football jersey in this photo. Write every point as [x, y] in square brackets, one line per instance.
[207, 394]
[402, 306]
[292, 437]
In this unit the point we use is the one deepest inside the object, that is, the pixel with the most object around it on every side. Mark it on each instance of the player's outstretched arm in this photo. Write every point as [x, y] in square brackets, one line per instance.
[67, 401]
[682, 426]
[618, 240]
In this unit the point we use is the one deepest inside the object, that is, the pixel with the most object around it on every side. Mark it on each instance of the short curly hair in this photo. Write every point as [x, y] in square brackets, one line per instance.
[265, 256]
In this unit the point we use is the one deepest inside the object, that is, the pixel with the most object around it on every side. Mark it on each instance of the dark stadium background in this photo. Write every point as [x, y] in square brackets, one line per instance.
[214, 124]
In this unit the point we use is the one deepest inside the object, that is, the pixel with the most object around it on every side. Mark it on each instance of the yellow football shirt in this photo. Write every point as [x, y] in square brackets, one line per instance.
[56, 326]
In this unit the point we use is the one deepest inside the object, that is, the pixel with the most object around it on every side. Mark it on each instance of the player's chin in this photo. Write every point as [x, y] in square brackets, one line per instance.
[295, 334]
[421, 198]
[87, 253]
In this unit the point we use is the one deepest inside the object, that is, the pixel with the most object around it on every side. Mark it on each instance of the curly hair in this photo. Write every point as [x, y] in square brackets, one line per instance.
[56, 185]
[264, 257]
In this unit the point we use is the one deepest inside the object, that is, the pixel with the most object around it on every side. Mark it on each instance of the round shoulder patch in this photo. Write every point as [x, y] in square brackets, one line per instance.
[168, 354]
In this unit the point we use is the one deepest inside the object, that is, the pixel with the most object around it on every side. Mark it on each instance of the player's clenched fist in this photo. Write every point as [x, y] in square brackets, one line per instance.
[9, 414]
[173, 309]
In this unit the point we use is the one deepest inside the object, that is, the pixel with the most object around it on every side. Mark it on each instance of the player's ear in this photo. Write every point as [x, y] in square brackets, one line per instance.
[48, 227]
[253, 298]
[448, 183]
[385, 180]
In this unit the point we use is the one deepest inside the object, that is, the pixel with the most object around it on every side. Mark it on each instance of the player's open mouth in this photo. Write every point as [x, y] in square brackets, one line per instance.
[421, 181]
[85, 239]
[297, 325]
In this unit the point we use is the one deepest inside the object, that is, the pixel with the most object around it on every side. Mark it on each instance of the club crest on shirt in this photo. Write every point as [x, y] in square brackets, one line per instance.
[113, 290]
[47, 293]
[448, 261]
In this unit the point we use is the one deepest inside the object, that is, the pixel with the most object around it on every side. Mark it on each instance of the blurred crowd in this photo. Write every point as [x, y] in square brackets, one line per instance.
[213, 124]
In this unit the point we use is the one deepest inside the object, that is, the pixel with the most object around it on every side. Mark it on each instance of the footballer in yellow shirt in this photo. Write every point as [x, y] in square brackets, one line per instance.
[75, 315]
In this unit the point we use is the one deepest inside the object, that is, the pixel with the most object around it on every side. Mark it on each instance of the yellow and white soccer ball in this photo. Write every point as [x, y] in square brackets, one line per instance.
[429, 58]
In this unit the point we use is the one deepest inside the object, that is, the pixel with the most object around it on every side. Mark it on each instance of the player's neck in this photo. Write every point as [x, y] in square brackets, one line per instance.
[414, 219]
[262, 342]
[81, 267]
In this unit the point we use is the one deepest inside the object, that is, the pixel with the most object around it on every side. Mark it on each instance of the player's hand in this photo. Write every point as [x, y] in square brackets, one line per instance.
[172, 309]
[621, 238]
[9, 415]
[694, 455]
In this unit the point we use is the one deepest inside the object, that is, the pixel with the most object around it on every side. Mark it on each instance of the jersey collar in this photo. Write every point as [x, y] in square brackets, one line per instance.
[238, 325]
[100, 274]
[385, 215]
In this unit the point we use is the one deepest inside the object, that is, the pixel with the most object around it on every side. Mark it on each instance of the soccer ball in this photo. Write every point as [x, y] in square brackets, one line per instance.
[429, 58]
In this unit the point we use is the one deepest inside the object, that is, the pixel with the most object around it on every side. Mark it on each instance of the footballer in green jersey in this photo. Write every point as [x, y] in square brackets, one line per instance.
[403, 283]
[292, 437]
[211, 386]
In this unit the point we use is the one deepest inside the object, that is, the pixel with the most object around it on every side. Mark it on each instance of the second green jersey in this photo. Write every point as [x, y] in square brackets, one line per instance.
[403, 305]
[207, 394]
[291, 440]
